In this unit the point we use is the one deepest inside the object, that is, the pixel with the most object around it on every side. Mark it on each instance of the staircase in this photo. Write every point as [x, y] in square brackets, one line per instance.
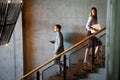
[82, 71]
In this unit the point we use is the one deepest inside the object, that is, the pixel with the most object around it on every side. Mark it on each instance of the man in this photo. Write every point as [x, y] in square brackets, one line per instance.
[59, 44]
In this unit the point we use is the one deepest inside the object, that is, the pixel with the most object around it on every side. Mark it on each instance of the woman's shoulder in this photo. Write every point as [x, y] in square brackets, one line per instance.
[90, 18]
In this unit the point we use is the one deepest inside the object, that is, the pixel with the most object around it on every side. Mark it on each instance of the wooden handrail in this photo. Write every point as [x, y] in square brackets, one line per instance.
[52, 59]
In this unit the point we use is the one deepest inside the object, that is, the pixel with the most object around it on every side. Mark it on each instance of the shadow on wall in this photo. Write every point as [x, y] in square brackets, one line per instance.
[73, 38]
[77, 34]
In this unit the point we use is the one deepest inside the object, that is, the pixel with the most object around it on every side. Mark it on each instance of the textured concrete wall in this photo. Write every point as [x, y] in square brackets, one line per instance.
[11, 55]
[39, 16]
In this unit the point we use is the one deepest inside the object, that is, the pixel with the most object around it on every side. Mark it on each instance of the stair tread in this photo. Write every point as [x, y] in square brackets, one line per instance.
[100, 75]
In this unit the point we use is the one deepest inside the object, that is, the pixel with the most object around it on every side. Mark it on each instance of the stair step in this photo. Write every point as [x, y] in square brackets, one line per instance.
[101, 71]
[96, 77]
[100, 75]
[84, 79]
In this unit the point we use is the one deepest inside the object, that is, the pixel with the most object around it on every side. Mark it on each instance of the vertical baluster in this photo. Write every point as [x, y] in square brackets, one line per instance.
[64, 67]
[93, 49]
[38, 75]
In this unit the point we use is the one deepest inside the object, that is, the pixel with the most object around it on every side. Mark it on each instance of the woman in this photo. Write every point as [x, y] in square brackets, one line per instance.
[92, 20]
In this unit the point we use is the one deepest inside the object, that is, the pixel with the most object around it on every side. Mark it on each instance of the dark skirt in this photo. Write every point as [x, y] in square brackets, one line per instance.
[97, 42]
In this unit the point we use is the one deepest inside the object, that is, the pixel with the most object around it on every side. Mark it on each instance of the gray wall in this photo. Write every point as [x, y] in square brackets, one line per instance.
[11, 55]
[39, 16]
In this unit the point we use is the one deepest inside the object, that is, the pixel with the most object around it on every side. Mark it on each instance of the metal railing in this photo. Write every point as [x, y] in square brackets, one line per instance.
[63, 53]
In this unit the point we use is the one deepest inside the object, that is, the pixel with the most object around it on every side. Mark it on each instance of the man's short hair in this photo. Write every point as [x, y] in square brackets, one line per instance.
[58, 26]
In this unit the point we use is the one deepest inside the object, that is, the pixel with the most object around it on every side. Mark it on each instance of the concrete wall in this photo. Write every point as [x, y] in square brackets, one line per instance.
[39, 17]
[11, 55]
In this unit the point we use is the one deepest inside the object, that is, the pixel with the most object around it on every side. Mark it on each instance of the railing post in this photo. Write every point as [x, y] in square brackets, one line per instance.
[93, 49]
[38, 75]
[64, 67]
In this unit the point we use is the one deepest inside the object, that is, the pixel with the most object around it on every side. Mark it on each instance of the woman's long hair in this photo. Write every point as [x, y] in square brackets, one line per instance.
[94, 16]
